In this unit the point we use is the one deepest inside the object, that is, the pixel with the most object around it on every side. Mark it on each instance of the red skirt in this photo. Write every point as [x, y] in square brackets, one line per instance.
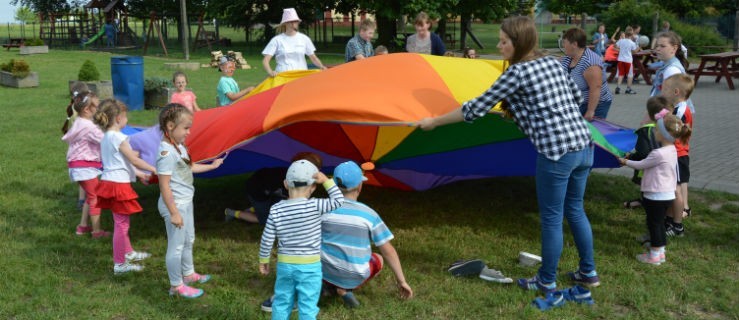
[118, 197]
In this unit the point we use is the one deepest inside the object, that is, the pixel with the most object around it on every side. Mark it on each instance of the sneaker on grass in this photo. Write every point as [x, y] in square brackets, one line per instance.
[467, 268]
[494, 276]
[196, 277]
[137, 256]
[675, 230]
[121, 268]
[186, 292]
[535, 284]
[585, 279]
[267, 304]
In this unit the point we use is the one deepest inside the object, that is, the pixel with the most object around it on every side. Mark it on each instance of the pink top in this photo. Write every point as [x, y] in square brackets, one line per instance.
[185, 98]
[84, 141]
[660, 170]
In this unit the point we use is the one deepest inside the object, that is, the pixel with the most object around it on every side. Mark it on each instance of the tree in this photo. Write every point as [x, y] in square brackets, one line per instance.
[25, 15]
[43, 6]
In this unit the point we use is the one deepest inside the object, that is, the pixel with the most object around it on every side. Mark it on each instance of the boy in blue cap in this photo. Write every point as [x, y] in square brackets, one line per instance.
[348, 233]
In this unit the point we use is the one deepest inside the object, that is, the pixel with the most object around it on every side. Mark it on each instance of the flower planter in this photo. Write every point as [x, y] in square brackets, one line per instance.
[7, 79]
[157, 98]
[34, 49]
[103, 89]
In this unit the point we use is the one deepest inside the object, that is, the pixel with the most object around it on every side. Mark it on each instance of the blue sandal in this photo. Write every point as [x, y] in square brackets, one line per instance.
[552, 300]
[578, 294]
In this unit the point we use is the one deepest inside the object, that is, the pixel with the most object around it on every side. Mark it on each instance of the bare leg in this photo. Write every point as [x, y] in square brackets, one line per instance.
[85, 215]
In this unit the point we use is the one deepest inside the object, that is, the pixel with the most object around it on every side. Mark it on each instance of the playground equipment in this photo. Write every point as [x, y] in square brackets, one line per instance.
[85, 26]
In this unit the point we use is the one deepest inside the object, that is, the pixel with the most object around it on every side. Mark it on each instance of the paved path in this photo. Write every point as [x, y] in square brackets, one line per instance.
[714, 147]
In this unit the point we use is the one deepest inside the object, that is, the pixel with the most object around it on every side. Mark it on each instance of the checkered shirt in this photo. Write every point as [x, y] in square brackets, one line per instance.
[544, 102]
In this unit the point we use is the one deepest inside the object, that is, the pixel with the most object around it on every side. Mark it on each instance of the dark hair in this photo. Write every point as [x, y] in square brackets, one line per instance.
[178, 74]
[172, 112]
[466, 52]
[655, 105]
[107, 111]
[576, 36]
[522, 32]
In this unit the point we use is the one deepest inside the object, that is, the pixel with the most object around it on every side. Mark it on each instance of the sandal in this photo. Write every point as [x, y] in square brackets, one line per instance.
[578, 294]
[632, 204]
[552, 300]
[687, 212]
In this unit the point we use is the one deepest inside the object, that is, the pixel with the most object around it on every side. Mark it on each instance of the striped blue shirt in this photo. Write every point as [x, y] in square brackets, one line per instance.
[588, 59]
[348, 235]
[296, 223]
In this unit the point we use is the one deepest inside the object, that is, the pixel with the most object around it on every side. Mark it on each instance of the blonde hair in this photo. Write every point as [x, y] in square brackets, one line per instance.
[422, 19]
[682, 82]
[676, 128]
[367, 24]
[522, 32]
[380, 49]
[108, 110]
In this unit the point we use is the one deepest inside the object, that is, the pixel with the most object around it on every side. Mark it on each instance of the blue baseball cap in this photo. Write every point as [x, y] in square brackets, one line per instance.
[348, 175]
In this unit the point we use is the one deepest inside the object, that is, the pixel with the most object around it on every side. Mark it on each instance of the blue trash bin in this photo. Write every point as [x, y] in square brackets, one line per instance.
[128, 80]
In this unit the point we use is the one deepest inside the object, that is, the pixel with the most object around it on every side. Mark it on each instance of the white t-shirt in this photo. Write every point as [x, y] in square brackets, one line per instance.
[290, 51]
[172, 163]
[116, 167]
[625, 47]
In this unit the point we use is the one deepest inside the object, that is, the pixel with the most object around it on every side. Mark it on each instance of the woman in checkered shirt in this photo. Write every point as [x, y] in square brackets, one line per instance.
[541, 98]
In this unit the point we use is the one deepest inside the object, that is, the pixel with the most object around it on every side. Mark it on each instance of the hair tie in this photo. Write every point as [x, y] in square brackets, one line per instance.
[661, 114]
[69, 118]
[84, 100]
[74, 94]
[663, 130]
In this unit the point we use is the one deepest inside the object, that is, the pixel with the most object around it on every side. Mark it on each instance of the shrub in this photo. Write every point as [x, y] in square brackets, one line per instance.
[19, 68]
[153, 84]
[88, 72]
[33, 42]
[630, 12]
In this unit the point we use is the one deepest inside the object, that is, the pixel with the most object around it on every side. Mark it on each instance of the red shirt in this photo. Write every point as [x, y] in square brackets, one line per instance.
[683, 112]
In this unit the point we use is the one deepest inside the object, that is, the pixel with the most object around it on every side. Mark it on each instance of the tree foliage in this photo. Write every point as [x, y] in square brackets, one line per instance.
[25, 15]
[43, 6]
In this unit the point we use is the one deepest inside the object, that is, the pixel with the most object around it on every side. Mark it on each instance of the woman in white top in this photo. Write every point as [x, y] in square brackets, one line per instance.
[289, 47]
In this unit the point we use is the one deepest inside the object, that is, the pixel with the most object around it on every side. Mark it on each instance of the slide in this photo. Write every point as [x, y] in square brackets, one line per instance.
[95, 37]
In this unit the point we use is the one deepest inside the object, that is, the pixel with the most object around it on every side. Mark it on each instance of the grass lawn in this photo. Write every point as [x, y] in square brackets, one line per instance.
[49, 272]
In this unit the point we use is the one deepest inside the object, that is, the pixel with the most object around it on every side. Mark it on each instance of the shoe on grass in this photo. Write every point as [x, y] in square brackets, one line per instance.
[101, 234]
[137, 256]
[121, 268]
[551, 300]
[675, 230]
[467, 268]
[350, 301]
[267, 304]
[583, 279]
[493, 275]
[535, 284]
[651, 259]
[230, 214]
[196, 277]
[83, 230]
[186, 292]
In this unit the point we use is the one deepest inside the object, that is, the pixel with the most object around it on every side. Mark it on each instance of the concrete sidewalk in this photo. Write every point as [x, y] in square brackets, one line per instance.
[714, 146]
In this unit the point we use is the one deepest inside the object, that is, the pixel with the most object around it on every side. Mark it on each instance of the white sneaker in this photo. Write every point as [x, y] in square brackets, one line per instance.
[137, 256]
[121, 268]
[494, 276]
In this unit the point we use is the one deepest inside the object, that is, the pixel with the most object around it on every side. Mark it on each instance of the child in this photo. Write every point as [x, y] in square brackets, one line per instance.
[381, 50]
[469, 53]
[659, 181]
[175, 203]
[114, 191]
[677, 89]
[83, 158]
[182, 96]
[296, 222]
[360, 46]
[228, 89]
[645, 142]
[625, 48]
[264, 188]
[74, 90]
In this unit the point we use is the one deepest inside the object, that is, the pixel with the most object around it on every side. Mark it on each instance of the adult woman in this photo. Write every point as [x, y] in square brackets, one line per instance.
[423, 41]
[600, 39]
[544, 103]
[289, 47]
[586, 69]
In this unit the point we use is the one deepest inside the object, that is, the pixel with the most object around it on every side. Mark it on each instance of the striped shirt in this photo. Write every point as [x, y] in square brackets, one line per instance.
[544, 102]
[296, 223]
[588, 59]
[348, 235]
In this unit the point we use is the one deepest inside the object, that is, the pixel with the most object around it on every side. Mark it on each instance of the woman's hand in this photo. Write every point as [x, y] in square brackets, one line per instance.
[589, 115]
[176, 220]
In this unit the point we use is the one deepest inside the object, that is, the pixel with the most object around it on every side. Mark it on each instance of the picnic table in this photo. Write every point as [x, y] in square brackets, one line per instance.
[641, 61]
[725, 66]
[13, 43]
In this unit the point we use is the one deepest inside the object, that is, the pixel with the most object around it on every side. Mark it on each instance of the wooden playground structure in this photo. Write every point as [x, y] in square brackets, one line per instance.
[86, 26]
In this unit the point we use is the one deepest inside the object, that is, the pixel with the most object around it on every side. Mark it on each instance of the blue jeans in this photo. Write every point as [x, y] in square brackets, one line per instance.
[303, 279]
[560, 188]
[601, 110]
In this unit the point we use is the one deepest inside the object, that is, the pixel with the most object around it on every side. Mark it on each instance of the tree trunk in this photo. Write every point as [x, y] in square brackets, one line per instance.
[464, 23]
[387, 30]
[441, 29]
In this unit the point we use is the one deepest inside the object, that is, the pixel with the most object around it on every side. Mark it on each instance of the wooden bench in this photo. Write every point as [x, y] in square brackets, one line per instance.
[13, 43]
[725, 66]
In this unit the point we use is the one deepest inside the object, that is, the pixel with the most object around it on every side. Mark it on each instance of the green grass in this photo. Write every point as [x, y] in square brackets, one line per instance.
[48, 272]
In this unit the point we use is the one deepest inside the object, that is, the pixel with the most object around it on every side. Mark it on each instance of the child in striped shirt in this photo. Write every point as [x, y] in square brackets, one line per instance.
[296, 222]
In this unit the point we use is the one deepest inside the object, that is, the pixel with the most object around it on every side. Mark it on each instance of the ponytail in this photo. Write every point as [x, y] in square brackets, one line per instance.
[70, 113]
[684, 133]
[101, 119]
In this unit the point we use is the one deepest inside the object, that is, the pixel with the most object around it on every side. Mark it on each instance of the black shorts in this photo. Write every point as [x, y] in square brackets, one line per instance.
[683, 169]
